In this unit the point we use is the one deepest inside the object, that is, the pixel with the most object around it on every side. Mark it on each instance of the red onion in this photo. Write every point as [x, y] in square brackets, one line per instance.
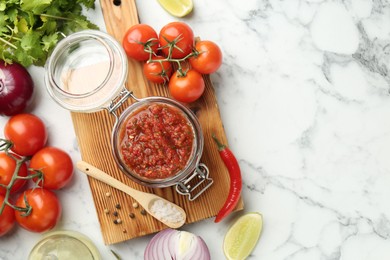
[16, 88]
[179, 245]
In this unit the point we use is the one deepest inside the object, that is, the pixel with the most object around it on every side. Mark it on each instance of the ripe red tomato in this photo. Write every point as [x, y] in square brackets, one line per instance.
[208, 58]
[56, 166]
[158, 72]
[7, 218]
[27, 132]
[138, 38]
[180, 36]
[46, 210]
[7, 169]
[186, 88]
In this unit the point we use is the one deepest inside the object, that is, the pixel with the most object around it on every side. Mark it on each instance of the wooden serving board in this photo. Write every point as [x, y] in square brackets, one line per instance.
[93, 131]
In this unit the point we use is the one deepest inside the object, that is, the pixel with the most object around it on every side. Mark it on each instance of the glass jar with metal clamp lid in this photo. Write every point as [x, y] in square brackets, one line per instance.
[156, 141]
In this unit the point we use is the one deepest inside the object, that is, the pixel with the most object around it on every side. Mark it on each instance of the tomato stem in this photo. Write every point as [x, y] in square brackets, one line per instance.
[170, 59]
[6, 146]
[26, 211]
[37, 174]
[173, 45]
[148, 46]
[164, 72]
[19, 163]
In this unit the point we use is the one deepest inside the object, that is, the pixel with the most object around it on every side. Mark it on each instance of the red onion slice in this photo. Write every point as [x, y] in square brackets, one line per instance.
[173, 244]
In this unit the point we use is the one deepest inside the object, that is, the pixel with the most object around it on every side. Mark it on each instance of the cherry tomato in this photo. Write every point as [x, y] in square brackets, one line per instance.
[46, 210]
[208, 57]
[7, 169]
[7, 218]
[186, 88]
[27, 132]
[158, 72]
[178, 34]
[56, 166]
[138, 38]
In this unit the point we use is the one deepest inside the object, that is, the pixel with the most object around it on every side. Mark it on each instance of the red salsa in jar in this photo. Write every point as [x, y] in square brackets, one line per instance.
[156, 141]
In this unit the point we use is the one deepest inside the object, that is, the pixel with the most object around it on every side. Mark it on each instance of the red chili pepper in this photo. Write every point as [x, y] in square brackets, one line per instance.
[235, 180]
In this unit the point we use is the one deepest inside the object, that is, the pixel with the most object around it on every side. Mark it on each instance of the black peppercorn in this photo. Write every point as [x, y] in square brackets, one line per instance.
[117, 2]
[115, 213]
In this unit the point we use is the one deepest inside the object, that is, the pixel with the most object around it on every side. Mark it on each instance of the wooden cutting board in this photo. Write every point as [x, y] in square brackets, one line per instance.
[93, 133]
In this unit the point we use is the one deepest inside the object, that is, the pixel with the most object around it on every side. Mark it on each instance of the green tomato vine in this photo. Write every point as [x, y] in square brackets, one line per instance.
[5, 146]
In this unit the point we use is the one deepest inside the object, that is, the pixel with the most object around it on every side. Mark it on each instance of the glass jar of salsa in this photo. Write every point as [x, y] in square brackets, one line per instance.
[156, 141]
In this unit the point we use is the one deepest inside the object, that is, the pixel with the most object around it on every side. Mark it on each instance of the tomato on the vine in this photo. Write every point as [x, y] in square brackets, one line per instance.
[139, 41]
[158, 71]
[55, 165]
[178, 37]
[208, 57]
[27, 132]
[186, 88]
[7, 218]
[7, 169]
[46, 210]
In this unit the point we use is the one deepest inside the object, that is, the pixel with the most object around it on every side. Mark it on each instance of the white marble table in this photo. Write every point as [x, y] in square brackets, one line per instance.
[304, 97]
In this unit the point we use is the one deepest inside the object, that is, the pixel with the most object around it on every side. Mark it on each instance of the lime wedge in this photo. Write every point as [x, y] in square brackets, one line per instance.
[178, 8]
[242, 236]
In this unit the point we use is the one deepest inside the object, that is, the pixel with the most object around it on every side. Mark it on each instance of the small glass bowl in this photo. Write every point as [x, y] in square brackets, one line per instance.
[197, 147]
[64, 244]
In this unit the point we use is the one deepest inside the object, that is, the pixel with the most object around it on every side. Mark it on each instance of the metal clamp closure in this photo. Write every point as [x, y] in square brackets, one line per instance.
[119, 100]
[192, 186]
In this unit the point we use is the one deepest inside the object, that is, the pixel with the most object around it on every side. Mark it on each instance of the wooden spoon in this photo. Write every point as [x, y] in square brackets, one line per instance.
[146, 200]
